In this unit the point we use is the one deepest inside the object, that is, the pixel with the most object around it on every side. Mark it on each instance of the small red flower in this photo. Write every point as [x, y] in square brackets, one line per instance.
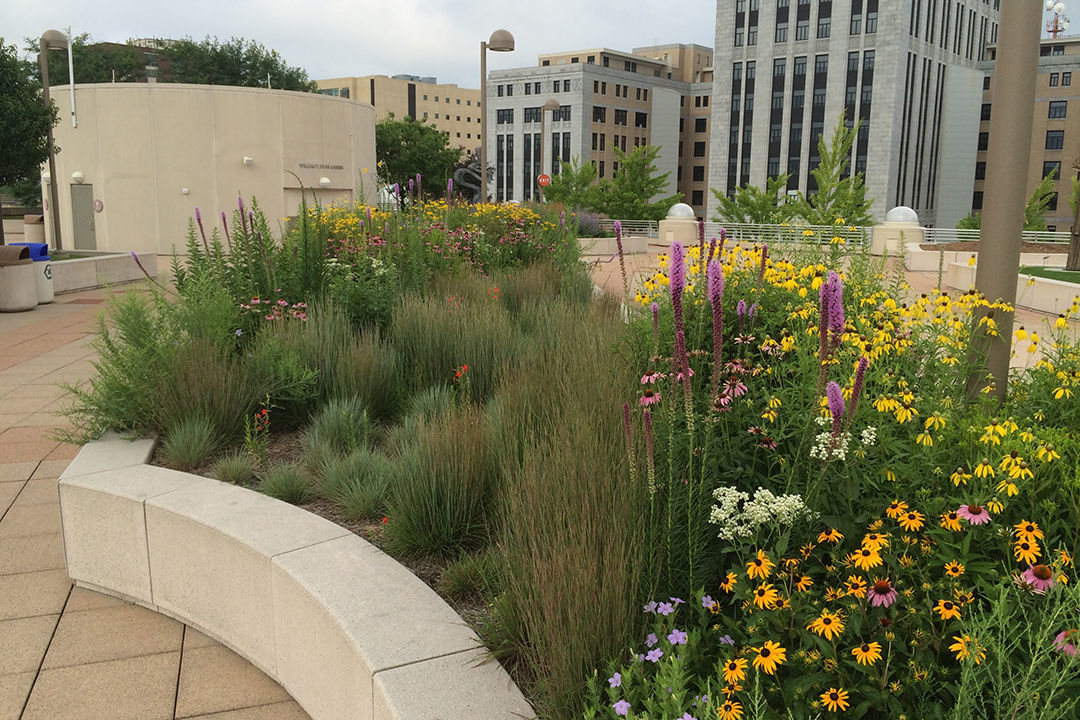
[385, 519]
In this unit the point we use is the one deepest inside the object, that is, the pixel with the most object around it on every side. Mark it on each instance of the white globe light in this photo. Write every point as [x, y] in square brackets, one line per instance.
[1049, 5]
[1065, 24]
[1059, 8]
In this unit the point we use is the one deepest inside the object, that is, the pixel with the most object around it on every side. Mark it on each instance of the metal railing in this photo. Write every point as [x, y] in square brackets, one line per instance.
[632, 228]
[775, 234]
[951, 235]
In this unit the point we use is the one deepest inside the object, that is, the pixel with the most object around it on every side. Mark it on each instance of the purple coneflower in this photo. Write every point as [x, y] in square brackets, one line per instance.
[651, 376]
[974, 514]
[1067, 642]
[651, 397]
[1039, 578]
[881, 594]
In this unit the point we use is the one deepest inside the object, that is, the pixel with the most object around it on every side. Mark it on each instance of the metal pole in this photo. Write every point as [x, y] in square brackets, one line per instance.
[71, 78]
[543, 146]
[43, 64]
[1015, 73]
[483, 121]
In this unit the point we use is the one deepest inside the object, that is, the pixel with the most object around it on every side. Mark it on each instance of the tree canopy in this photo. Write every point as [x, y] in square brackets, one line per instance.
[237, 62]
[25, 121]
[94, 62]
[751, 204]
[627, 195]
[837, 197]
[1034, 211]
[574, 186]
[405, 148]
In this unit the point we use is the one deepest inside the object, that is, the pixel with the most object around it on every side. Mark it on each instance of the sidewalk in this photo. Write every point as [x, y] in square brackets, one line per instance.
[68, 653]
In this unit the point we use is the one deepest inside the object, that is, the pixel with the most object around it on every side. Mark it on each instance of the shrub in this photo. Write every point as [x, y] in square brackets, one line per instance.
[285, 482]
[472, 575]
[235, 468]
[342, 425]
[189, 443]
[444, 490]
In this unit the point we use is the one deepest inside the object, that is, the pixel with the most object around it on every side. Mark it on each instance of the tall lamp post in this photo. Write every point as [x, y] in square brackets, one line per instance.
[553, 106]
[1016, 70]
[51, 40]
[500, 41]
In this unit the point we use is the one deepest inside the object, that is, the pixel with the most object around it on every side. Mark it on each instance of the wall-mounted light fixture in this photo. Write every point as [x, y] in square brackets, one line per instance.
[77, 177]
[248, 160]
[184, 191]
[324, 182]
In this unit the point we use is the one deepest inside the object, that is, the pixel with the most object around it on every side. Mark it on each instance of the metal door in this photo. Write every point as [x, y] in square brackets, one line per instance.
[82, 217]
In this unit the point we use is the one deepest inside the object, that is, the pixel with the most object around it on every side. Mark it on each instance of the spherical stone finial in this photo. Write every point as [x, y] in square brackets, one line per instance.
[681, 211]
[902, 214]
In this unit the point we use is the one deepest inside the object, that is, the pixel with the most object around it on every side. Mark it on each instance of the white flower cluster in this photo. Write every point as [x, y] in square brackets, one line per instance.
[869, 436]
[823, 420]
[764, 508]
[828, 447]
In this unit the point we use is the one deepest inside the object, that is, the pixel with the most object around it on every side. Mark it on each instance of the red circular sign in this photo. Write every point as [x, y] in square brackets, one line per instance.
[544, 180]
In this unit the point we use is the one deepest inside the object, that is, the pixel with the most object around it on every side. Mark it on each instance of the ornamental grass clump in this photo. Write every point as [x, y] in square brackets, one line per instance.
[189, 443]
[285, 482]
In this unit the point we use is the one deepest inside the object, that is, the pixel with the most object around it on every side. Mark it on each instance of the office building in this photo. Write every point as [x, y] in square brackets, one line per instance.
[905, 70]
[1055, 131]
[454, 111]
[607, 99]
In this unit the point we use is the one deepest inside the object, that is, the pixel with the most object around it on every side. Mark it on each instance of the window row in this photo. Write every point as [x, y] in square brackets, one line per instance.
[458, 100]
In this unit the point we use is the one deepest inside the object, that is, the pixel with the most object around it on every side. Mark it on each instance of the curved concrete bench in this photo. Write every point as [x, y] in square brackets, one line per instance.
[345, 629]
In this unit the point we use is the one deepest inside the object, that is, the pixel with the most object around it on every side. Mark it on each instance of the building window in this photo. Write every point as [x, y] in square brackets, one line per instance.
[1053, 79]
[502, 117]
[1066, 79]
[976, 200]
[509, 93]
[603, 88]
[1053, 203]
[781, 32]
[458, 101]
[566, 86]
[986, 82]
[641, 119]
[601, 172]
[596, 86]
[533, 115]
[821, 64]
[751, 36]
[1052, 167]
[1057, 109]
[824, 27]
[980, 170]
[697, 197]
[638, 93]
[528, 91]
[738, 37]
[620, 117]
[594, 141]
[1055, 139]
[819, 97]
[802, 29]
[699, 149]
[599, 114]
[699, 173]
[871, 22]
[799, 67]
[700, 124]
[856, 24]
[985, 116]
[499, 91]
[562, 114]
[984, 141]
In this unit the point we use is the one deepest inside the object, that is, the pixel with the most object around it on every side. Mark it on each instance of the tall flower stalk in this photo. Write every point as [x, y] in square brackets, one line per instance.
[715, 277]
[622, 261]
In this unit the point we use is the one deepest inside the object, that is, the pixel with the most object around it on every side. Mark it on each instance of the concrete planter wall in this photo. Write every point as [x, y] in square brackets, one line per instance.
[104, 268]
[918, 260]
[346, 630]
[1034, 293]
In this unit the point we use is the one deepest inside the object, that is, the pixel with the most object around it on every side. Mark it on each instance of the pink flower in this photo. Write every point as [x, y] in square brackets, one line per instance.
[881, 594]
[1067, 641]
[974, 514]
[1039, 578]
[651, 397]
[651, 376]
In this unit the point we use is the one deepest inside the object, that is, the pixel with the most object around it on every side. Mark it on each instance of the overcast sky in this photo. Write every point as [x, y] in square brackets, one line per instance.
[335, 38]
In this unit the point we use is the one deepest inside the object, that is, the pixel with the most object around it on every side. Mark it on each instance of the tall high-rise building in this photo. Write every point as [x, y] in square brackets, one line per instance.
[607, 99]
[1055, 129]
[904, 70]
[448, 108]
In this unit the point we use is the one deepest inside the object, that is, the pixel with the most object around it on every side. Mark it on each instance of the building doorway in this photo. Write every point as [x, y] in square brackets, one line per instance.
[82, 217]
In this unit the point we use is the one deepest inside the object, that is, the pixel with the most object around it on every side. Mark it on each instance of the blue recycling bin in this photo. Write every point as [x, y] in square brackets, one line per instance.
[39, 253]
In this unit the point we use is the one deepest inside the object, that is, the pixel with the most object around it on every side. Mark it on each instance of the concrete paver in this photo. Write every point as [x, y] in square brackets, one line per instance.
[68, 653]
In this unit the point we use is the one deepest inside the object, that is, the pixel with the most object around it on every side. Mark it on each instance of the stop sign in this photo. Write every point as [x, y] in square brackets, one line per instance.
[544, 180]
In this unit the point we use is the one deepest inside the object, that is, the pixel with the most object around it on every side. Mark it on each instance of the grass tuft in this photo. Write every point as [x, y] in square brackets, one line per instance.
[236, 468]
[285, 482]
[189, 443]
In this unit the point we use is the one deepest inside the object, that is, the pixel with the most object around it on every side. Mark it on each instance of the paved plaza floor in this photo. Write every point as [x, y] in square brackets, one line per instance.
[68, 653]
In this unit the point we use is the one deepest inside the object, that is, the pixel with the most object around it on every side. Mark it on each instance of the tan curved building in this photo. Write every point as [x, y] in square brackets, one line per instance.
[143, 156]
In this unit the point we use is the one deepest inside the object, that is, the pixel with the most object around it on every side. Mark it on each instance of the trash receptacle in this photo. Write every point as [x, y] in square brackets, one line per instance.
[34, 228]
[18, 290]
[39, 253]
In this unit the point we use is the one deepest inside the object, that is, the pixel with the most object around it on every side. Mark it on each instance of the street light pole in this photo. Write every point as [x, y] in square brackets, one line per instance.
[500, 41]
[1015, 72]
[551, 105]
[51, 40]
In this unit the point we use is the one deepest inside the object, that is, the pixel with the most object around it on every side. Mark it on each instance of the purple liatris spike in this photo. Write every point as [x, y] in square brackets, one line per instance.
[412, 187]
[677, 269]
[397, 193]
[764, 260]
[836, 306]
[419, 186]
[835, 397]
[712, 249]
[449, 188]
[202, 232]
[622, 262]
[740, 313]
[857, 387]
[715, 275]
[224, 224]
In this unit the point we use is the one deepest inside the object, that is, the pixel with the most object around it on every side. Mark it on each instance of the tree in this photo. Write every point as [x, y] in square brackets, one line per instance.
[629, 194]
[406, 148]
[837, 196]
[93, 62]
[238, 62]
[1034, 211]
[574, 186]
[751, 204]
[25, 120]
